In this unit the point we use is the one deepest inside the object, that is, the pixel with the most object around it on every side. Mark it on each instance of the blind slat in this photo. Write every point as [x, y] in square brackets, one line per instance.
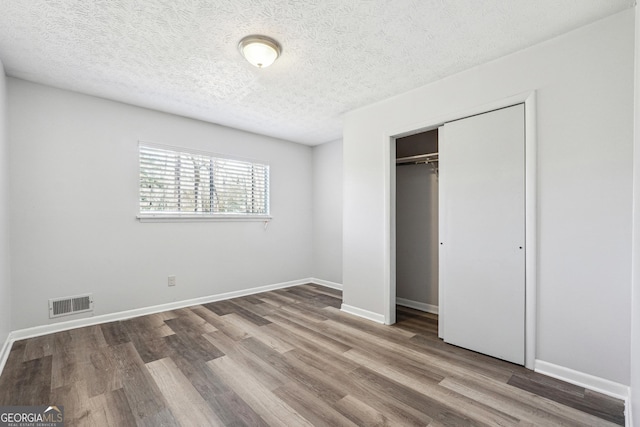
[177, 182]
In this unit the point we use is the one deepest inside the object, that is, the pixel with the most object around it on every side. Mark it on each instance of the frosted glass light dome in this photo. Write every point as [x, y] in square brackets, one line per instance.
[260, 51]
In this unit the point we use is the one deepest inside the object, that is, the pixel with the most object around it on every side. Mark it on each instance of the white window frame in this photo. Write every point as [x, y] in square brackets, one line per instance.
[156, 216]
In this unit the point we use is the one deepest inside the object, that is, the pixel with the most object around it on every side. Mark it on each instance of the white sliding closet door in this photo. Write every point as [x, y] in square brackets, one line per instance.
[482, 233]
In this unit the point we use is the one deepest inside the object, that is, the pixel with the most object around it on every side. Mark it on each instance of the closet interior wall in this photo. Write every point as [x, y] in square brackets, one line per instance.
[417, 224]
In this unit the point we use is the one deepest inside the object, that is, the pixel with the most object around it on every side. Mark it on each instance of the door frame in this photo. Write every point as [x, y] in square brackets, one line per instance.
[531, 240]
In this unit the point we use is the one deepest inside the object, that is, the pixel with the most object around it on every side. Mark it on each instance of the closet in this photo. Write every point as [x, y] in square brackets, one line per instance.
[460, 230]
[417, 221]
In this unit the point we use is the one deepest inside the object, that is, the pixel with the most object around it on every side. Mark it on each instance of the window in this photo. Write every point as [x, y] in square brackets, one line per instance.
[179, 183]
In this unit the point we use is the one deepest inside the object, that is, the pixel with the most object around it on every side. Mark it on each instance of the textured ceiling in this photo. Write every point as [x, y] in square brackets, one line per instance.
[181, 56]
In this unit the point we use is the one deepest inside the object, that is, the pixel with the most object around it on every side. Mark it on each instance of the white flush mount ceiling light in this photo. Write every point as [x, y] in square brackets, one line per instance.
[260, 51]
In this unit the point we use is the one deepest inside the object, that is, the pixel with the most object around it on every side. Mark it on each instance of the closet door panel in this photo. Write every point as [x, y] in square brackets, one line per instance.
[482, 214]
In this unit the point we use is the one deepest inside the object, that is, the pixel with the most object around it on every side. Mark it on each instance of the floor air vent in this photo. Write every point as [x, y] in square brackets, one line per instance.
[70, 305]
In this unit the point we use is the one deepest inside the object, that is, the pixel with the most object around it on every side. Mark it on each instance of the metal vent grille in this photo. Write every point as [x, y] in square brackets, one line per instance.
[70, 305]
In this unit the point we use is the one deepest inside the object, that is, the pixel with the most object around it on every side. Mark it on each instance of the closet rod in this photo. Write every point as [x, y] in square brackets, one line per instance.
[421, 158]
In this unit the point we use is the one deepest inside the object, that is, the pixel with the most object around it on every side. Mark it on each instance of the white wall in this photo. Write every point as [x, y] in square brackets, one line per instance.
[584, 84]
[5, 277]
[74, 196]
[635, 321]
[417, 234]
[327, 211]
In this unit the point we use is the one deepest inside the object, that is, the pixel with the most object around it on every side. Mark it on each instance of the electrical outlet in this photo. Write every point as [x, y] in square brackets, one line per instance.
[172, 280]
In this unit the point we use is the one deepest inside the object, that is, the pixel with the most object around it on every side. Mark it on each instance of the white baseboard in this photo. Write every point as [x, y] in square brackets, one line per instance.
[369, 315]
[6, 349]
[601, 385]
[328, 284]
[429, 308]
[628, 406]
[128, 314]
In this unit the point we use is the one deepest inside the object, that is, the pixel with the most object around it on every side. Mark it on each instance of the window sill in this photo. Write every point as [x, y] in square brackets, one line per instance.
[202, 218]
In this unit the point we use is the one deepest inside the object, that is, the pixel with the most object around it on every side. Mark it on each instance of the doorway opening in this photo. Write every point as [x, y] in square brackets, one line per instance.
[417, 222]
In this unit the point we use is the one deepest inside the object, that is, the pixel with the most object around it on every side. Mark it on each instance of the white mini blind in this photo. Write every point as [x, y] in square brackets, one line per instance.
[177, 182]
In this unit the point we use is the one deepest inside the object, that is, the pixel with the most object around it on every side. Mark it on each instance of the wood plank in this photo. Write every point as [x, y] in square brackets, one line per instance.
[87, 338]
[301, 294]
[156, 323]
[522, 404]
[38, 347]
[253, 299]
[608, 408]
[114, 333]
[318, 412]
[361, 413]
[329, 300]
[294, 370]
[110, 409]
[190, 323]
[417, 401]
[364, 325]
[393, 353]
[66, 365]
[404, 350]
[271, 408]
[604, 407]
[149, 347]
[147, 335]
[254, 305]
[250, 315]
[18, 347]
[193, 348]
[72, 353]
[308, 333]
[221, 307]
[317, 354]
[74, 398]
[32, 382]
[258, 367]
[294, 309]
[11, 372]
[220, 323]
[102, 375]
[143, 395]
[261, 333]
[146, 327]
[319, 289]
[466, 359]
[395, 410]
[222, 400]
[186, 404]
[442, 399]
[242, 413]
[163, 418]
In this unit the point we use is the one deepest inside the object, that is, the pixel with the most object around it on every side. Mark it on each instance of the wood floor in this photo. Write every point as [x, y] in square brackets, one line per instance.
[288, 357]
